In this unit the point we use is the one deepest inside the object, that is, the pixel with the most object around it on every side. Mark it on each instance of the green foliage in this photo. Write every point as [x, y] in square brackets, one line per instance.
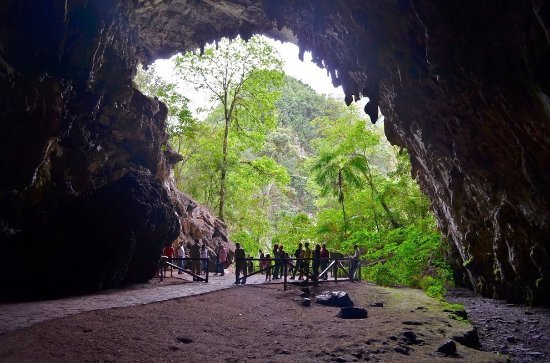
[298, 166]
[457, 311]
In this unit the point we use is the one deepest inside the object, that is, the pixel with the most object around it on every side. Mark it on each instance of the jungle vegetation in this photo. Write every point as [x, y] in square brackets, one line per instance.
[280, 163]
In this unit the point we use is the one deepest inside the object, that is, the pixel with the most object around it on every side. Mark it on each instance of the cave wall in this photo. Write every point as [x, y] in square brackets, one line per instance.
[463, 86]
[86, 198]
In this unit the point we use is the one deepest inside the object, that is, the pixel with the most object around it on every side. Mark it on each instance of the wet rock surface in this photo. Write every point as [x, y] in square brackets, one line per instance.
[517, 331]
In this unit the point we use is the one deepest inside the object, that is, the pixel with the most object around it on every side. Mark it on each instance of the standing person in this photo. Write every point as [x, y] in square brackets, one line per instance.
[282, 261]
[267, 265]
[180, 253]
[240, 263]
[169, 253]
[354, 262]
[324, 260]
[316, 262]
[222, 258]
[204, 259]
[260, 257]
[195, 254]
[276, 259]
[298, 256]
[306, 261]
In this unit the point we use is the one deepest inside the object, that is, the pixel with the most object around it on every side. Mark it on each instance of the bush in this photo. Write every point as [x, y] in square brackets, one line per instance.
[382, 275]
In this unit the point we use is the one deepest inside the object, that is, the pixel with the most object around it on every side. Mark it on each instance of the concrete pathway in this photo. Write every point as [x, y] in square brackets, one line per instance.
[22, 315]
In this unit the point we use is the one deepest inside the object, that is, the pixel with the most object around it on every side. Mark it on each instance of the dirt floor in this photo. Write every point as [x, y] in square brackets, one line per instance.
[251, 323]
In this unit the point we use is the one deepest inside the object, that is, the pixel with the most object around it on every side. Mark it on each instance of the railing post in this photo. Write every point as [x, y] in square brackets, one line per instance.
[236, 272]
[335, 270]
[207, 269]
[285, 271]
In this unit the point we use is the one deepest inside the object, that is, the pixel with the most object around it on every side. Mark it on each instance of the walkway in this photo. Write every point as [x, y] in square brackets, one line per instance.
[22, 315]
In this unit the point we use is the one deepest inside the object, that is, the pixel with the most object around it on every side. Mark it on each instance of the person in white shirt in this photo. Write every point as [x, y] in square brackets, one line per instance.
[204, 258]
[180, 253]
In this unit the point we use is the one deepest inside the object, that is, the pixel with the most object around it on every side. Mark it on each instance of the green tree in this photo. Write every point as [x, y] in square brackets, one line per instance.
[244, 78]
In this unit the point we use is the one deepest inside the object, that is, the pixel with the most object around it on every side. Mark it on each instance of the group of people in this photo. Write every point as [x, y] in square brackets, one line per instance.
[199, 257]
[305, 262]
[304, 257]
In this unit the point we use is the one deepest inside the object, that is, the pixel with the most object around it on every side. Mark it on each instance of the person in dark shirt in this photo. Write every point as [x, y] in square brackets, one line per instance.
[240, 264]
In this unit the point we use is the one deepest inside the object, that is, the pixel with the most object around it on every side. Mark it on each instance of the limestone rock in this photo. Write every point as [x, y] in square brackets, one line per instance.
[334, 298]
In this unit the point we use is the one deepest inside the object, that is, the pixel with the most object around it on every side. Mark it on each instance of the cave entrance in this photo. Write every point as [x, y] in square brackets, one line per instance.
[284, 161]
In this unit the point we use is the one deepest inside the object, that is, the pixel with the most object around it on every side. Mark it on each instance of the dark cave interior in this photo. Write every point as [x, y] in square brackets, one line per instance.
[85, 163]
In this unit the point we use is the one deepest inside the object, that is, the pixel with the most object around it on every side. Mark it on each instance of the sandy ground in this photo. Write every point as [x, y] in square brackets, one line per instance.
[249, 323]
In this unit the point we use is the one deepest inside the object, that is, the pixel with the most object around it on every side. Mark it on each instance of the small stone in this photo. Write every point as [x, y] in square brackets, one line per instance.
[411, 336]
[402, 350]
[351, 312]
[184, 340]
[535, 354]
[393, 337]
[469, 339]
[511, 340]
[377, 305]
[340, 359]
[306, 302]
[448, 348]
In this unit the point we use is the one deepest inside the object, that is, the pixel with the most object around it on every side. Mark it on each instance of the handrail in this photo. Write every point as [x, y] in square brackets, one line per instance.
[168, 261]
[286, 262]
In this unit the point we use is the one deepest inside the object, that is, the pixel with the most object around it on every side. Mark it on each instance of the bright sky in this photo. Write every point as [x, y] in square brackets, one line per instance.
[306, 71]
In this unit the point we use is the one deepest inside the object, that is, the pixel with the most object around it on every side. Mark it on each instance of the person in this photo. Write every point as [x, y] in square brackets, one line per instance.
[306, 261]
[169, 253]
[250, 264]
[297, 255]
[262, 262]
[354, 262]
[276, 260]
[204, 259]
[180, 253]
[222, 258]
[260, 257]
[324, 260]
[267, 265]
[195, 254]
[240, 263]
[316, 261]
[282, 261]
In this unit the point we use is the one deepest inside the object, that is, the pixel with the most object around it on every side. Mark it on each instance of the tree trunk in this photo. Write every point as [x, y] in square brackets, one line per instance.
[223, 173]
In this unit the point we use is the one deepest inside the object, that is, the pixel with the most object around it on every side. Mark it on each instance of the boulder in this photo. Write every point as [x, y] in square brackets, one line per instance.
[351, 312]
[447, 348]
[334, 298]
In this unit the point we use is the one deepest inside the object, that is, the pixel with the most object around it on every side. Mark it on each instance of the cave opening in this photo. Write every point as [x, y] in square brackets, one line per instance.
[284, 161]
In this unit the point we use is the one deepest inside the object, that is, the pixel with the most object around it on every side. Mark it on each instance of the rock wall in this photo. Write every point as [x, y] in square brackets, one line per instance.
[85, 194]
[463, 86]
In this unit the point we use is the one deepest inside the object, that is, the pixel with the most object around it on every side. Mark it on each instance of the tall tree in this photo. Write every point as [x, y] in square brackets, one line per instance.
[244, 78]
